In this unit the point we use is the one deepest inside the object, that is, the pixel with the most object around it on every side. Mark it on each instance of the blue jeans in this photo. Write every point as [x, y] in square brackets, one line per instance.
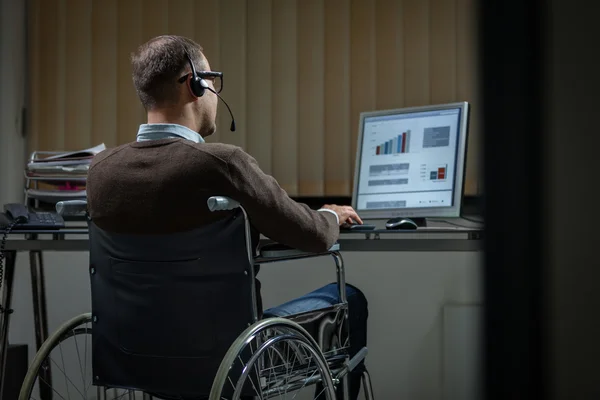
[357, 314]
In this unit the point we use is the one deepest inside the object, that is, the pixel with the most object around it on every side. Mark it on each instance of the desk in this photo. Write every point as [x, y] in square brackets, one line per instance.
[434, 238]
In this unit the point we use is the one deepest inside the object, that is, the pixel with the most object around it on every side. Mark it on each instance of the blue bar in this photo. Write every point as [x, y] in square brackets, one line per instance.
[386, 148]
[390, 145]
[399, 143]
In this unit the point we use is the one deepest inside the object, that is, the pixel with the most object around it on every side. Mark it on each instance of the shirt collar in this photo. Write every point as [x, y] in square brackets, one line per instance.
[167, 131]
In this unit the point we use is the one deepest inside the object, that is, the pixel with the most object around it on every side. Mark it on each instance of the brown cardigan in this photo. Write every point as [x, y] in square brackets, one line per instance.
[161, 186]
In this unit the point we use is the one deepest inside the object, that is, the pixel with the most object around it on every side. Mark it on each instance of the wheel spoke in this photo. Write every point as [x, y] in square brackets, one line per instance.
[286, 361]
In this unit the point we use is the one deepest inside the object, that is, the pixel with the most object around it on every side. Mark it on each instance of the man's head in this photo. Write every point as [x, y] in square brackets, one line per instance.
[162, 76]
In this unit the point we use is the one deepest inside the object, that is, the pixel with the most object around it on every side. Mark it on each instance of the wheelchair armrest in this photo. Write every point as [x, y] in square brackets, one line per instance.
[71, 207]
[280, 251]
[220, 203]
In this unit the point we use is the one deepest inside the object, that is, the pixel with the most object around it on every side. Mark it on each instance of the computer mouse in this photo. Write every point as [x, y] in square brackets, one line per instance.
[401, 223]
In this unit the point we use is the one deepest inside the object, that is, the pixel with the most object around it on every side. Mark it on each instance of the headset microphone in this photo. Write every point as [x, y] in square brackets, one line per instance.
[232, 127]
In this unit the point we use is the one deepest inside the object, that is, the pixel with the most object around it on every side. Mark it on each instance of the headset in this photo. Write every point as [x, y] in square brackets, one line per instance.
[197, 84]
[199, 87]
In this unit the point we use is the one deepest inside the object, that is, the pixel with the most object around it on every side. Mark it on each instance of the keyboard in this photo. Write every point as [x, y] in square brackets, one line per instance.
[356, 227]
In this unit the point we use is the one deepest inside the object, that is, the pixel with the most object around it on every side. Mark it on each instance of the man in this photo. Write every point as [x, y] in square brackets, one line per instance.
[170, 165]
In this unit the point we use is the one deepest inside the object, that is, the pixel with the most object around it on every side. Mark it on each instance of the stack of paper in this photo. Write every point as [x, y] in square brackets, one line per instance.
[55, 176]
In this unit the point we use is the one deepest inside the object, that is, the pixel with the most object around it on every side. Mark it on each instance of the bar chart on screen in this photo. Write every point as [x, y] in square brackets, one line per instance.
[436, 172]
[397, 145]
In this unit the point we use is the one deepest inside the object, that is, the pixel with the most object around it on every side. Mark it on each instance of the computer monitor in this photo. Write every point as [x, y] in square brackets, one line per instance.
[410, 162]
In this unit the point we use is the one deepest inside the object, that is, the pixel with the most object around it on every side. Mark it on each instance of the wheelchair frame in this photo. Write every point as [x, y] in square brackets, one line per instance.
[268, 254]
[220, 203]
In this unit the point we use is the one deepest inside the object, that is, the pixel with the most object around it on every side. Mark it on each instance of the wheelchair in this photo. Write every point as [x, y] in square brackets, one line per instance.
[176, 316]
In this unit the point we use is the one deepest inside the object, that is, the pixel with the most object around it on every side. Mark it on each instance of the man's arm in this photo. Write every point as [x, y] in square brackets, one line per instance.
[274, 213]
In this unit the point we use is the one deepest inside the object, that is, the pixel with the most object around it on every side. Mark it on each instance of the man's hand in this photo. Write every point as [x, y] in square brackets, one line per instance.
[346, 214]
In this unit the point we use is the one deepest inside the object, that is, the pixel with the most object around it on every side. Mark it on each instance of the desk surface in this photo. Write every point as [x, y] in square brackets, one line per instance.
[432, 238]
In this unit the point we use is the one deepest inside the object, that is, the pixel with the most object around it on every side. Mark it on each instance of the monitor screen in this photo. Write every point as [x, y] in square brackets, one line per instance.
[410, 162]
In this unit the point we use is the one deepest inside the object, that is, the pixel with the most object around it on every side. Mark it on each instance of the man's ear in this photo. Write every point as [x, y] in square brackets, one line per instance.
[188, 83]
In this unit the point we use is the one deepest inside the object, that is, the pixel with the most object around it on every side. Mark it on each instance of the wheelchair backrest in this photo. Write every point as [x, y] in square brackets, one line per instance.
[166, 308]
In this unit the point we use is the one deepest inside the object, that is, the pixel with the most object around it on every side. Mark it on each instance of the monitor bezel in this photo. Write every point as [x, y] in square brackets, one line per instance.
[459, 176]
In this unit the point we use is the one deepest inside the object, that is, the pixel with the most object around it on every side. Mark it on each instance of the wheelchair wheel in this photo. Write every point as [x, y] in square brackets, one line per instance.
[273, 358]
[62, 368]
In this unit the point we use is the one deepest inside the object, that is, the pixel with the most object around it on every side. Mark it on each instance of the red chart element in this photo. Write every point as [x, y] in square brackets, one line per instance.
[403, 146]
[441, 173]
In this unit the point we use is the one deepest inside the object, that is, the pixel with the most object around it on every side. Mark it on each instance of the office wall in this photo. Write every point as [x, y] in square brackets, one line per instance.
[297, 73]
[12, 99]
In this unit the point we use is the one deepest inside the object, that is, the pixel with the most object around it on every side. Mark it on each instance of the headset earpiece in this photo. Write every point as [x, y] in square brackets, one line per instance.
[198, 85]
[203, 83]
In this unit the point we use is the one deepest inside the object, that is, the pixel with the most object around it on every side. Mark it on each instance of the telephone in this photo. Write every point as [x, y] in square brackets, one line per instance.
[17, 216]
[22, 218]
